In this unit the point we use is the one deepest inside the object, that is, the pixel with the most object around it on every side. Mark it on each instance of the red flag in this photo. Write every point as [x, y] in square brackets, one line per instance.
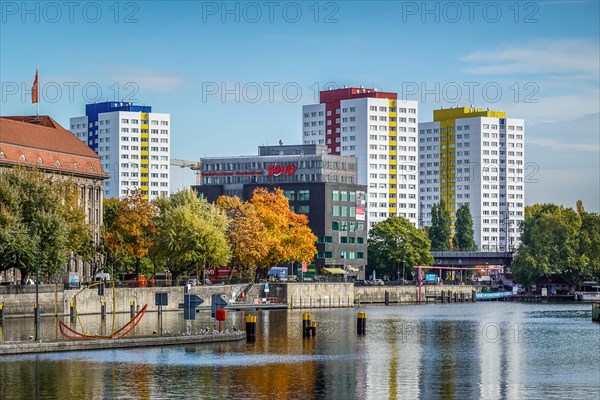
[34, 89]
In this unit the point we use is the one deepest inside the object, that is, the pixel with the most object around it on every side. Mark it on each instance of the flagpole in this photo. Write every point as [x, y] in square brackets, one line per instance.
[37, 103]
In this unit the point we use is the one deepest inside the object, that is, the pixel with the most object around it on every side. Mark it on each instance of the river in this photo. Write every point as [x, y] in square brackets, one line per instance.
[492, 350]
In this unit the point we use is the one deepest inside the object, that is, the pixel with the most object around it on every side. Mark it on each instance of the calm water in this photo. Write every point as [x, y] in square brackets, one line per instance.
[453, 351]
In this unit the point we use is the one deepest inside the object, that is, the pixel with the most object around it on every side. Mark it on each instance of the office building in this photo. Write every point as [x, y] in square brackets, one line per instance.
[318, 184]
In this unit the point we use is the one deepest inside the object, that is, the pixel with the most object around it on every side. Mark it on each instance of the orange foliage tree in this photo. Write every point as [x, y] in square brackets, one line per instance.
[245, 234]
[288, 237]
[130, 227]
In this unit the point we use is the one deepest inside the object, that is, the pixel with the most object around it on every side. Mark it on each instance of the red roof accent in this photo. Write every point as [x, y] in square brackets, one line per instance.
[332, 96]
[44, 138]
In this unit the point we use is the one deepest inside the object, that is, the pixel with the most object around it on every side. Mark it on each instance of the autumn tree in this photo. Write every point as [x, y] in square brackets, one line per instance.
[191, 233]
[129, 228]
[464, 237]
[288, 237]
[394, 241]
[245, 234]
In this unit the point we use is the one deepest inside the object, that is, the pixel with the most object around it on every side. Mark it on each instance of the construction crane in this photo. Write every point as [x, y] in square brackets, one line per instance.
[193, 165]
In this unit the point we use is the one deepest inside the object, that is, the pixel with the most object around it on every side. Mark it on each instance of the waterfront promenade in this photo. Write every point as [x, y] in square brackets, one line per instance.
[144, 341]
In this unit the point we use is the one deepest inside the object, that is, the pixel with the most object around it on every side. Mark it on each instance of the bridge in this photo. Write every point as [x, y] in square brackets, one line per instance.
[472, 258]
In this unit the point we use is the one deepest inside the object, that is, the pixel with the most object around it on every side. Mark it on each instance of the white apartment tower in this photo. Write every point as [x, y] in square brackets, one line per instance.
[381, 132]
[133, 144]
[473, 156]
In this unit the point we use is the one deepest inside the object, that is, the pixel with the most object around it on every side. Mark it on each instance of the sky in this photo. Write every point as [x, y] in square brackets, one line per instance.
[234, 75]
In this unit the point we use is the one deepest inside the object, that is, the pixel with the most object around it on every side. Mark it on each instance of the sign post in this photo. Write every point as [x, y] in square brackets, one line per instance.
[190, 302]
[160, 299]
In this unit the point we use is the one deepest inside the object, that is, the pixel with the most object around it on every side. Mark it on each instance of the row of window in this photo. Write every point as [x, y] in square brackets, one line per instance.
[348, 226]
[297, 195]
[337, 195]
[351, 255]
[343, 239]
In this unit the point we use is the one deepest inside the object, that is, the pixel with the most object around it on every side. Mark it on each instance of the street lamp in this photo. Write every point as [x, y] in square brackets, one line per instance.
[36, 310]
[399, 240]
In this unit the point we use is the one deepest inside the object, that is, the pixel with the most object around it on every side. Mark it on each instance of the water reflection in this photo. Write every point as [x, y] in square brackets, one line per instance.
[491, 351]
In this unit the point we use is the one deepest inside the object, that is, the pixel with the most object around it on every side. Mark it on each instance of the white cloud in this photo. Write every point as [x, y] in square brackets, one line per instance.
[553, 108]
[146, 79]
[570, 56]
[554, 144]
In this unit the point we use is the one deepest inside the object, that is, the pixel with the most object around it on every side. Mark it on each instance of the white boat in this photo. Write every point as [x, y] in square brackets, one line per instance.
[589, 296]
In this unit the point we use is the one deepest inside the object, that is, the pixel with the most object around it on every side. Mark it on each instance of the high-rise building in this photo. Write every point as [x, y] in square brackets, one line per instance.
[381, 132]
[476, 157]
[133, 144]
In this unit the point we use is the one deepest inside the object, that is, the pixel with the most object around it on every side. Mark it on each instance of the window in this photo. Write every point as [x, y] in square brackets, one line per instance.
[303, 195]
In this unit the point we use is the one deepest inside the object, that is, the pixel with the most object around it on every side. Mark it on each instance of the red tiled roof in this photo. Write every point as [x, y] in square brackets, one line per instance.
[47, 145]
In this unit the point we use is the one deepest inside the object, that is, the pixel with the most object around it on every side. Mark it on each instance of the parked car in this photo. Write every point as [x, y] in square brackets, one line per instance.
[377, 282]
[360, 282]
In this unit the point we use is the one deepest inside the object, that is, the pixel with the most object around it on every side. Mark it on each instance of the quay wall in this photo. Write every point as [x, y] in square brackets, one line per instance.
[18, 300]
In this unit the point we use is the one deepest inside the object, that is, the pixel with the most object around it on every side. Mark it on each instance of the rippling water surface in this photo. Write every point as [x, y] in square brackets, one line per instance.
[451, 351]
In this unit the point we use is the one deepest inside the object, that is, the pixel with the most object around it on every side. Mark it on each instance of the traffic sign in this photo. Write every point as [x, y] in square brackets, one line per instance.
[217, 303]
[190, 302]
[161, 299]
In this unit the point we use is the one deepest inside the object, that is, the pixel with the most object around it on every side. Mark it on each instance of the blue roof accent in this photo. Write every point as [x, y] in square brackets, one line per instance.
[109, 106]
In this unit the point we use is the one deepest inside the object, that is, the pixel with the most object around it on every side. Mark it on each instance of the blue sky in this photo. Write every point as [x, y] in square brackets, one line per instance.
[234, 75]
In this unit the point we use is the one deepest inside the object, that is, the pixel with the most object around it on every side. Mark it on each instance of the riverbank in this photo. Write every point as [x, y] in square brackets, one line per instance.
[85, 345]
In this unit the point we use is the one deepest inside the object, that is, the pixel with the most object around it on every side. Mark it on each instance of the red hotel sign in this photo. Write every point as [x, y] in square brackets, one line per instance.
[277, 170]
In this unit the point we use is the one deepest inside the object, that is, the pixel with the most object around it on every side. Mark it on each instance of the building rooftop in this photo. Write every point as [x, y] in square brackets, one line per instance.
[444, 114]
[44, 143]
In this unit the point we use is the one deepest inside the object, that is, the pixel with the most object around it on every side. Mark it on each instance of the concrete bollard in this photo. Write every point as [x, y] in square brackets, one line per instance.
[132, 308]
[102, 309]
[473, 296]
[386, 297]
[449, 296]
[361, 323]
[250, 327]
[1, 313]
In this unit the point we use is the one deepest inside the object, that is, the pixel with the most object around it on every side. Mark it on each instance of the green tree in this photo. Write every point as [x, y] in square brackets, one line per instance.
[589, 245]
[440, 230]
[464, 239]
[551, 243]
[50, 223]
[396, 240]
[191, 234]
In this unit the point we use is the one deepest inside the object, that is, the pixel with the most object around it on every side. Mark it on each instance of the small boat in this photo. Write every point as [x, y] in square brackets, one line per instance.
[589, 296]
